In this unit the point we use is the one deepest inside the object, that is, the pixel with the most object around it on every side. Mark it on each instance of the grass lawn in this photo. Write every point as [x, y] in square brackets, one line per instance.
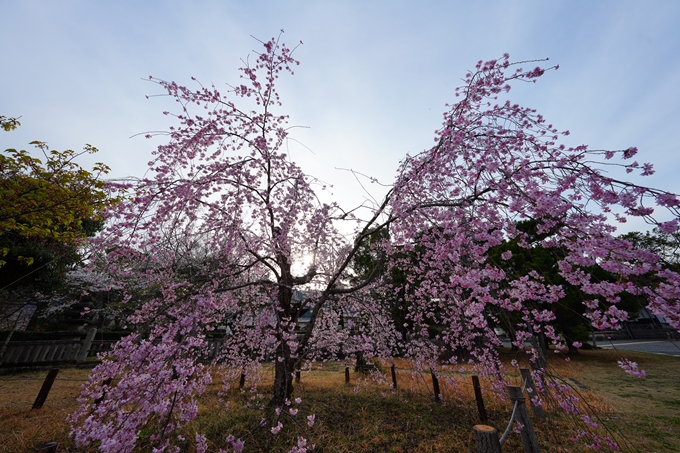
[647, 411]
[368, 416]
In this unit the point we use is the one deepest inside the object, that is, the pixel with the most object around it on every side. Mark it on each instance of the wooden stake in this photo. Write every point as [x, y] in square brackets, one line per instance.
[538, 411]
[435, 386]
[242, 381]
[480, 401]
[527, 432]
[486, 439]
[346, 375]
[46, 387]
[393, 368]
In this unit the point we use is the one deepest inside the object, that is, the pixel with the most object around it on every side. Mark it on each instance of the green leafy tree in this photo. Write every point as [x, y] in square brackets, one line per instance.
[49, 206]
[666, 245]
[570, 318]
[52, 199]
[49, 200]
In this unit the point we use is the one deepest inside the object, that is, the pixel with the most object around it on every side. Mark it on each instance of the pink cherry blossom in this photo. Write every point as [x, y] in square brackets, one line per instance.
[631, 368]
[277, 428]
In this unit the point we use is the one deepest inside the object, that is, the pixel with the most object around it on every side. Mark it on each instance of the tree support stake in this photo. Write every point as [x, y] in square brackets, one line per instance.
[480, 401]
[45, 389]
[527, 432]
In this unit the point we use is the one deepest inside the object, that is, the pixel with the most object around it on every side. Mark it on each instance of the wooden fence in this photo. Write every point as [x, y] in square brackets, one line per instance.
[70, 351]
[33, 352]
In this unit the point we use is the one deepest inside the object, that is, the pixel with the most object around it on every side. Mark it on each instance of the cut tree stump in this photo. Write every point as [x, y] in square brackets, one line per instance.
[486, 439]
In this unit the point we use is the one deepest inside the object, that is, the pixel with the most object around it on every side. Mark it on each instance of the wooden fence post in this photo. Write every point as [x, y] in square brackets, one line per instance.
[486, 439]
[85, 347]
[45, 389]
[346, 374]
[527, 431]
[538, 411]
[435, 387]
[480, 401]
[242, 381]
[393, 368]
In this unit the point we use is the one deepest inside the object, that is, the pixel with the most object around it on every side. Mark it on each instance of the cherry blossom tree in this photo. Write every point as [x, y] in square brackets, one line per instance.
[228, 227]
[496, 163]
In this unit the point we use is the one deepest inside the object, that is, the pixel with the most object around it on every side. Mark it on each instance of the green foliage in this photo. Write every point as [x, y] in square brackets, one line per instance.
[49, 206]
[666, 245]
[35, 263]
[46, 208]
[397, 281]
[9, 124]
[49, 201]
[369, 256]
[569, 311]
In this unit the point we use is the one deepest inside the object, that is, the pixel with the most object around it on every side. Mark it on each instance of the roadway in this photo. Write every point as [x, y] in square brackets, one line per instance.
[663, 347]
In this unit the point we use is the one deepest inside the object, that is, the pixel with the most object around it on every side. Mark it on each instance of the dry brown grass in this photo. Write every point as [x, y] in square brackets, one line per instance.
[368, 416]
[22, 428]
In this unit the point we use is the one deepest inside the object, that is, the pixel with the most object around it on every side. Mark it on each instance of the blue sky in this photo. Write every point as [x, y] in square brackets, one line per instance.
[374, 76]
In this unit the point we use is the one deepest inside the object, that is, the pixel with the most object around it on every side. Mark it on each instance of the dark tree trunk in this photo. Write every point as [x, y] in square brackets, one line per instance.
[513, 339]
[511, 331]
[361, 365]
[539, 342]
[284, 365]
[568, 333]
[284, 370]
[573, 350]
